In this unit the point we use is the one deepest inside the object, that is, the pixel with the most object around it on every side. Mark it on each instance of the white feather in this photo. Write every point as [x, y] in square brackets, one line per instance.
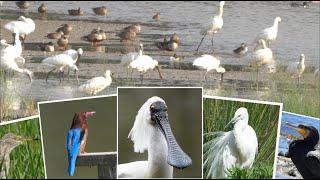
[24, 25]
[96, 84]
[207, 62]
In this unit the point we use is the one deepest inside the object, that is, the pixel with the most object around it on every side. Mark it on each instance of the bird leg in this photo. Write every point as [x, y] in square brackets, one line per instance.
[141, 78]
[221, 80]
[205, 77]
[68, 74]
[257, 80]
[160, 75]
[76, 74]
[61, 74]
[212, 43]
[200, 43]
[49, 73]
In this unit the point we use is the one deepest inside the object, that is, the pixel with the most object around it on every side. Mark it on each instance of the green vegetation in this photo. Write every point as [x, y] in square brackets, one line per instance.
[26, 159]
[263, 119]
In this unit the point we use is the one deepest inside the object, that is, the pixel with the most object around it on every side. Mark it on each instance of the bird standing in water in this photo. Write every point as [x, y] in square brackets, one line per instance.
[77, 138]
[303, 152]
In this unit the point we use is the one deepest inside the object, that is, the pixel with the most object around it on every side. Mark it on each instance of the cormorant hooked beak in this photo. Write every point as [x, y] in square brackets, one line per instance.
[176, 157]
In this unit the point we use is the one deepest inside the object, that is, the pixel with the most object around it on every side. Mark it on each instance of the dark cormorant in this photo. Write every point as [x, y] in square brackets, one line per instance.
[307, 165]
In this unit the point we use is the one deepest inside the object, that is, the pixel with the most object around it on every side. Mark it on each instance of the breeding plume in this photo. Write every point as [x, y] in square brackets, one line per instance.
[235, 148]
[144, 63]
[214, 27]
[24, 25]
[303, 152]
[269, 34]
[152, 132]
[68, 59]
[209, 63]
[77, 138]
[96, 84]
[295, 69]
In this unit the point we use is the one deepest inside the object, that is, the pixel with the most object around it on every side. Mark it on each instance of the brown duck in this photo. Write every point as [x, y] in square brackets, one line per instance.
[102, 11]
[76, 12]
[42, 9]
[63, 42]
[23, 4]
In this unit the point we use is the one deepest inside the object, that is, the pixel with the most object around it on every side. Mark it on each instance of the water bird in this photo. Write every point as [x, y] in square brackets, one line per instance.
[47, 47]
[269, 34]
[23, 4]
[209, 63]
[235, 148]
[144, 63]
[77, 138]
[241, 50]
[295, 69]
[96, 36]
[11, 55]
[175, 59]
[42, 9]
[55, 35]
[129, 33]
[102, 11]
[65, 28]
[76, 12]
[152, 132]
[262, 56]
[304, 4]
[8, 143]
[61, 61]
[156, 16]
[96, 84]
[167, 45]
[214, 27]
[24, 25]
[63, 42]
[307, 164]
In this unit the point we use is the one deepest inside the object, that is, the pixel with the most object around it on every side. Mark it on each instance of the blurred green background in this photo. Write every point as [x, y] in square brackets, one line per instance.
[184, 110]
[56, 119]
[26, 159]
[263, 118]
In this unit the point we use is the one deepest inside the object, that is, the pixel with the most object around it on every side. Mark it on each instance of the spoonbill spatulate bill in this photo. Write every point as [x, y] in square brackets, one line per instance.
[235, 148]
[152, 132]
[214, 27]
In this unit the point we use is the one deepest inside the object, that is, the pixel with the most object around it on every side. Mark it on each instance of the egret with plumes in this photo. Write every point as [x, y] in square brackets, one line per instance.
[11, 56]
[214, 27]
[24, 25]
[152, 132]
[96, 84]
[8, 143]
[269, 34]
[303, 152]
[68, 59]
[144, 63]
[235, 148]
[209, 63]
[295, 69]
[77, 138]
[261, 57]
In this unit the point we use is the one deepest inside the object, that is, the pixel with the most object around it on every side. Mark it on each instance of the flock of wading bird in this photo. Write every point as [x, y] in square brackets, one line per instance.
[11, 54]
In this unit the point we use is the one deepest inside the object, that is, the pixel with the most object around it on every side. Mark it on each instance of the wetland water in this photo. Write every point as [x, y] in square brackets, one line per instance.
[298, 33]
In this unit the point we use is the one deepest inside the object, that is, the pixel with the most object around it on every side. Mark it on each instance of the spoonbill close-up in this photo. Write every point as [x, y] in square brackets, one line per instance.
[235, 148]
[151, 132]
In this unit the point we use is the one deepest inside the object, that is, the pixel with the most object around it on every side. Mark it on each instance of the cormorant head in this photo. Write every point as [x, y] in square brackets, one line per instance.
[307, 132]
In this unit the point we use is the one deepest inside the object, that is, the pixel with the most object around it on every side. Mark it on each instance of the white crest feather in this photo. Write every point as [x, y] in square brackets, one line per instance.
[141, 130]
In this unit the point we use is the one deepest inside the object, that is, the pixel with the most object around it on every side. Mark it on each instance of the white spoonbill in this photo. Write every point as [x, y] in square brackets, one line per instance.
[152, 132]
[296, 69]
[74, 54]
[271, 33]
[96, 84]
[209, 63]
[235, 148]
[262, 56]
[11, 55]
[127, 59]
[144, 63]
[213, 27]
[24, 25]
[61, 61]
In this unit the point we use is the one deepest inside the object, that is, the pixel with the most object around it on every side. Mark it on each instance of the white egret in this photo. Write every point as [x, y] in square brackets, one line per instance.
[152, 132]
[269, 34]
[61, 61]
[144, 63]
[235, 148]
[262, 56]
[11, 55]
[96, 84]
[295, 69]
[213, 27]
[24, 26]
[209, 63]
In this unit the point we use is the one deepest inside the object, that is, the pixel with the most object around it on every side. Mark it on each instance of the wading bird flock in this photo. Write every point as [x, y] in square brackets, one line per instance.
[261, 55]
